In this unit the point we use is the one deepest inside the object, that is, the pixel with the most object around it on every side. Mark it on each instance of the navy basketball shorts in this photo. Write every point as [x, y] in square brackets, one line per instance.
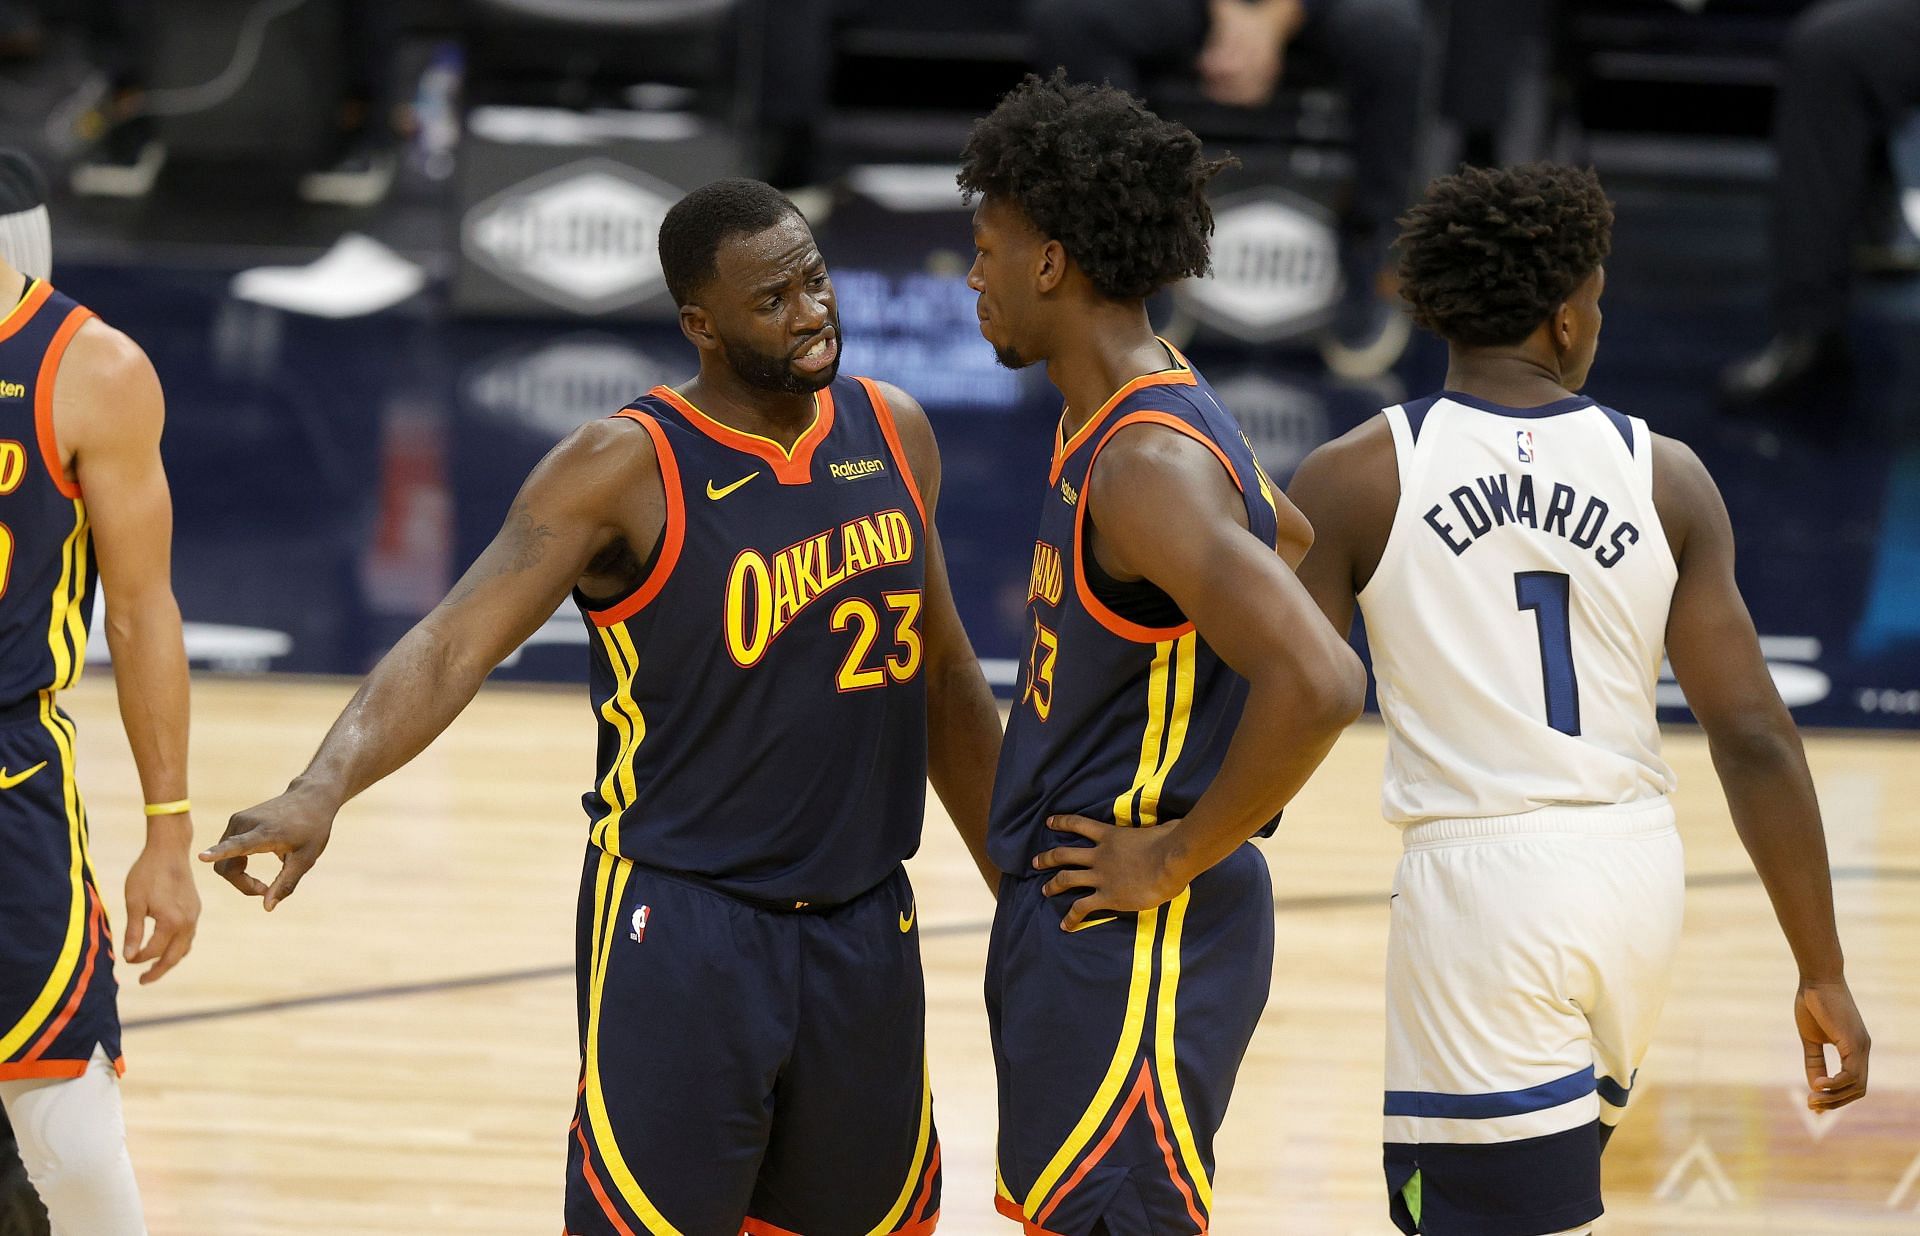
[746, 1069]
[1527, 960]
[1117, 1046]
[57, 991]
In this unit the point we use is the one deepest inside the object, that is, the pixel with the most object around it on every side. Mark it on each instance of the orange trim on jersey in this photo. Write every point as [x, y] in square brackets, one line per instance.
[1173, 1169]
[926, 1189]
[884, 414]
[43, 401]
[1011, 1209]
[1093, 605]
[1062, 447]
[790, 467]
[24, 309]
[95, 926]
[1099, 1151]
[49, 1070]
[593, 1182]
[672, 537]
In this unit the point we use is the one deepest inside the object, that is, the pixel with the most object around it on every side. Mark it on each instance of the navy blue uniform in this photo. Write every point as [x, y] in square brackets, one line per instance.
[1117, 1044]
[751, 1002]
[56, 953]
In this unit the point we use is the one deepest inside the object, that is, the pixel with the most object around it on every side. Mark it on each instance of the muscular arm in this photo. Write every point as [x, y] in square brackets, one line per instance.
[1348, 489]
[1762, 767]
[1166, 511]
[599, 486]
[108, 414]
[963, 724]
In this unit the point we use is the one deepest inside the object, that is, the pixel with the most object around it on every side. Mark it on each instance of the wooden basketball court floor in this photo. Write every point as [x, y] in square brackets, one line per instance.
[392, 1051]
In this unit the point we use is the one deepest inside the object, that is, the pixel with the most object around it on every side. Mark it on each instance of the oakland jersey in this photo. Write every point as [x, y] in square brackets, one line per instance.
[1123, 712]
[46, 560]
[1517, 618]
[761, 707]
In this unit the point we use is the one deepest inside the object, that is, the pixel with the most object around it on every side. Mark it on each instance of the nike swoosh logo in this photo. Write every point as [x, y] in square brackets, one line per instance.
[717, 494]
[906, 920]
[7, 781]
[1095, 922]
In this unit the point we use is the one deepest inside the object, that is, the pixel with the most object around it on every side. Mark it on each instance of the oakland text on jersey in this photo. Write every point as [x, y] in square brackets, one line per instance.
[1493, 502]
[764, 596]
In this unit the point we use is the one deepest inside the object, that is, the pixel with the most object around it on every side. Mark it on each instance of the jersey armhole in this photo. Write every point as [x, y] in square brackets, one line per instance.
[672, 536]
[1404, 444]
[43, 428]
[1101, 613]
[1643, 451]
[884, 415]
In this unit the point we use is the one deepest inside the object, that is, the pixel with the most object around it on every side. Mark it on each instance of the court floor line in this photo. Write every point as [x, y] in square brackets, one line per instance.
[1281, 905]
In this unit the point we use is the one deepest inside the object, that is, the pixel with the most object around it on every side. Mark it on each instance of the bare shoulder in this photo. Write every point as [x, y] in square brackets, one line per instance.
[103, 369]
[600, 462]
[1684, 494]
[1363, 456]
[916, 431]
[1146, 465]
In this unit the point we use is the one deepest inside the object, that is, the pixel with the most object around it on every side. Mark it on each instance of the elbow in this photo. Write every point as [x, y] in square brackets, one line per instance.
[1330, 692]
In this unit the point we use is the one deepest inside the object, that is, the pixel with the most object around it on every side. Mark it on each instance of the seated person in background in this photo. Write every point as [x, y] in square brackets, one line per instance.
[1849, 75]
[1239, 48]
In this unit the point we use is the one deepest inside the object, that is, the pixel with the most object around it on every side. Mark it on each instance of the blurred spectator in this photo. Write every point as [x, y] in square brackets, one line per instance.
[1850, 74]
[127, 154]
[1239, 49]
[1493, 49]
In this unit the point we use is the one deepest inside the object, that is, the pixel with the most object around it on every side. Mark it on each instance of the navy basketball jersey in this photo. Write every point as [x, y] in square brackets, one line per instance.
[46, 550]
[1123, 712]
[763, 717]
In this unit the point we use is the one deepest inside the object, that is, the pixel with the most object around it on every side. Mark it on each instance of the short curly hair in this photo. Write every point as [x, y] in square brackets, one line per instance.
[1123, 191]
[1489, 253]
[703, 220]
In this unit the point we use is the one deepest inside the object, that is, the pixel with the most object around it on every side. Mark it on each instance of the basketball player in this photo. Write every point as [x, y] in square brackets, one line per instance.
[772, 633]
[1524, 558]
[81, 488]
[1179, 688]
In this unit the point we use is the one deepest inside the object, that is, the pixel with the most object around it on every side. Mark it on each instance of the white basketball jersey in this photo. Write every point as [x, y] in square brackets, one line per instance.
[1518, 615]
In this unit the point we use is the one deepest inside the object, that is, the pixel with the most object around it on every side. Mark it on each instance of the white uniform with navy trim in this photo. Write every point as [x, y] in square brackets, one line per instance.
[1517, 624]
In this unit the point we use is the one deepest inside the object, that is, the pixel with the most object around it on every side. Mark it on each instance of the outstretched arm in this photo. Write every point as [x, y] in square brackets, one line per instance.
[1166, 511]
[109, 411]
[963, 724]
[580, 500]
[1757, 753]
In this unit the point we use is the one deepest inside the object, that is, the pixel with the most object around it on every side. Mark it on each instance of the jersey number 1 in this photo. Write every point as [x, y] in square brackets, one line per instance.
[1549, 594]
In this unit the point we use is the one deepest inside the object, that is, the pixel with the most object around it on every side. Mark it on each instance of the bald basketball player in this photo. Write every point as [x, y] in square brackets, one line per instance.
[777, 669]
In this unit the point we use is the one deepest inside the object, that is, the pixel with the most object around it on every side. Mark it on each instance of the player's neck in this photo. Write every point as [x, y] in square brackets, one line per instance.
[13, 285]
[721, 395]
[1112, 346]
[1511, 377]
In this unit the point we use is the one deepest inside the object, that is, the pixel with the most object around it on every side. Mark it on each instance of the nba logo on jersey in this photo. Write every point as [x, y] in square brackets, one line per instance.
[1523, 442]
[640, 916]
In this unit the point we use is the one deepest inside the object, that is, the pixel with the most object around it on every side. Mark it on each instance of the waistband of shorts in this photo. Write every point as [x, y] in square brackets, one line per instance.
[774, 905]
[1646, 817]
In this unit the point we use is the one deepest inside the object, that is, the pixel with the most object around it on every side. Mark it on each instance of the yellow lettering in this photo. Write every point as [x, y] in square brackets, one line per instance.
[856, 557]
[749, 617]
[786, 601]
[13, 466]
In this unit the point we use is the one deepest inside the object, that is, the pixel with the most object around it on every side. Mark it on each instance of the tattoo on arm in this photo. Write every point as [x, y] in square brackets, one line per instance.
[519, 547]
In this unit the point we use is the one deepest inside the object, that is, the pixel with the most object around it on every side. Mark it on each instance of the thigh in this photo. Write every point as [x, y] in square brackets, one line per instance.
[854, 1149]
[1117, 1046]
[1491, 1123]
[687, 1021]
[57, 989]
[1634, 946]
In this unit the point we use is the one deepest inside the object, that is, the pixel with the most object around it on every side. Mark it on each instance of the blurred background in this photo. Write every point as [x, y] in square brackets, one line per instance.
[384, 253]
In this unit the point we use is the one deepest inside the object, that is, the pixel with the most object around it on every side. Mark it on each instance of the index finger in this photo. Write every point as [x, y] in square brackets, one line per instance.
[256, 840]
[1063, 856]
[177, 945]
[234, 871]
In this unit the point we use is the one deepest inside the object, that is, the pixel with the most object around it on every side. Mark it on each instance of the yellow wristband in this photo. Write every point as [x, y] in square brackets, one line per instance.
[178, 806]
